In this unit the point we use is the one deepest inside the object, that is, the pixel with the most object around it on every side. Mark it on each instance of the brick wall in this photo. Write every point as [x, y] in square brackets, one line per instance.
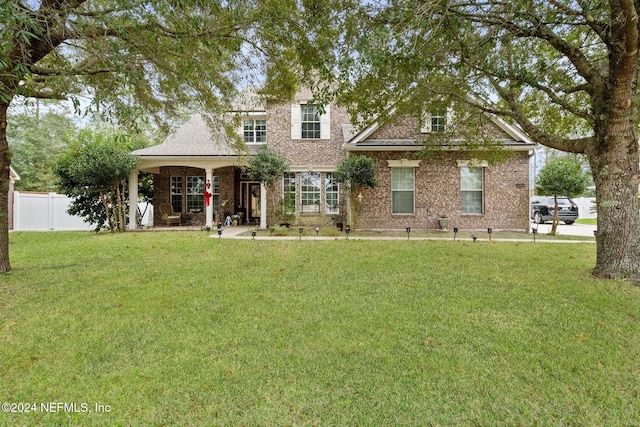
[437, 191]
[305, 152]
[506, 185]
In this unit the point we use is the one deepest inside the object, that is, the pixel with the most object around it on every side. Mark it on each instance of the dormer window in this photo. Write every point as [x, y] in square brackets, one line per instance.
[255, 131]
[439, 120]
[436, 119]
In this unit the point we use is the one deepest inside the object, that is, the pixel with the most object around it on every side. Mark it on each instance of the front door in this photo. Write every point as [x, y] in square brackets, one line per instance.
[253, 202]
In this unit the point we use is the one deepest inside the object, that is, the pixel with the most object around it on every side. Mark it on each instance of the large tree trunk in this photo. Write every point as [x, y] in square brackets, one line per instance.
[616, 173]
[5, 163]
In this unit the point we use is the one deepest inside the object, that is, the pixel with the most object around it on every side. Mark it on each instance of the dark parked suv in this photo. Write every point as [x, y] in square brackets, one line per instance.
[542, 209]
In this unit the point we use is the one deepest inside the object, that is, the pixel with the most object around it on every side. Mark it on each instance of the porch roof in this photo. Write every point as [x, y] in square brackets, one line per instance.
[197, 143]
[194, 138]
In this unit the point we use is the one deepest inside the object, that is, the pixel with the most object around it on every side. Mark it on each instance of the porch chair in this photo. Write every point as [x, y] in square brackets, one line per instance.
[168, 216]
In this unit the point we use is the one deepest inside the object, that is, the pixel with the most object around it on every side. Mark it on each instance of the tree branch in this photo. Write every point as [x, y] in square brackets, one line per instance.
[540, 30]
[576, 145]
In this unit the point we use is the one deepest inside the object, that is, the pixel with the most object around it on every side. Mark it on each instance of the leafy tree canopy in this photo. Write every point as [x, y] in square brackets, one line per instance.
[356, 170]
[267, 166]
[126, 61]
[36, 142]
[93, 170]
[566, 72]
[561, 177]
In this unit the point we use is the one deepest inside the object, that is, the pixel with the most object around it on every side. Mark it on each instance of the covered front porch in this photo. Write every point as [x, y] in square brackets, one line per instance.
[198, 178]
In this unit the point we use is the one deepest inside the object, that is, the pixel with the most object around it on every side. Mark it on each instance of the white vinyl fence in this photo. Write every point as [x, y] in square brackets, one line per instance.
[586, 207]
[48, 212]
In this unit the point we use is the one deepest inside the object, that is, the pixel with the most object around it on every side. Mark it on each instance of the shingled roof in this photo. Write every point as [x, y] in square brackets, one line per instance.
[194, 138]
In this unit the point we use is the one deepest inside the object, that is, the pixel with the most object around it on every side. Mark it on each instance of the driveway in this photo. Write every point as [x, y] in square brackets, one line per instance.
[568, 230]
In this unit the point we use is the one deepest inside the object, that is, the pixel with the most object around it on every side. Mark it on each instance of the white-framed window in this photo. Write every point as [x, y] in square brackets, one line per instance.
[402, 190]
[254, 131]
[215, 193]
[176, 193]
[436, 119]
[195, 193]
[289, 191]
[331, 193]
[309, 121]
[310, 191]
[471, 190]
[439, 120]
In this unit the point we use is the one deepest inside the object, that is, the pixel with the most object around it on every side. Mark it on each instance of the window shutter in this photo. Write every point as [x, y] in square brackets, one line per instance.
[425, 126]
[296, 122]
[451, 117]
[241, 128]
[325, 124]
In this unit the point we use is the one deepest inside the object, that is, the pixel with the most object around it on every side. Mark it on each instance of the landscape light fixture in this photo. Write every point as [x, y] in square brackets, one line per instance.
[535, 231]
[219, 232]
[300, 230]
[317, 231]
[455, 232]
[253, 234]
[347, 230]
[408, 231]
[474, 237]
[489, 230]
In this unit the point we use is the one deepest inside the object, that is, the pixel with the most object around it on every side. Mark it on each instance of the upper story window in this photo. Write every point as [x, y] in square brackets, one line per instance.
[437, 119]
[309, 121]
[254, 131]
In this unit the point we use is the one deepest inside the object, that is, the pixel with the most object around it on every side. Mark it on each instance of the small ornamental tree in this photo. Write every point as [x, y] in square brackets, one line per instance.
[93, 171]
[561, 177]
[352, 172]
[267, 166]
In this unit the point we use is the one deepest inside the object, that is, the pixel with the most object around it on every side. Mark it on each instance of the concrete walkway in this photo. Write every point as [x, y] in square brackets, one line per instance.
[568, 230]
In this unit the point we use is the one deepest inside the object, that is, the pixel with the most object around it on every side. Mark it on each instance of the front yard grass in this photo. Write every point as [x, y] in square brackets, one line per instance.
[181, 329]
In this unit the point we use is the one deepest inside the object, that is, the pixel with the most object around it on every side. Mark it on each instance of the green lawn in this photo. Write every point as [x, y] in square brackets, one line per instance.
[182, 329]
[591, 221]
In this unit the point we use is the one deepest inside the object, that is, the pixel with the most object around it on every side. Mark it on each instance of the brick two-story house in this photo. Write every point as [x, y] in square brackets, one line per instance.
[199, 173]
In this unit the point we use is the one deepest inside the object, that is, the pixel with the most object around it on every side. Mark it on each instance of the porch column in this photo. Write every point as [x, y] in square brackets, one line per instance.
[133, 200]
[209, 208]
[263, 206]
